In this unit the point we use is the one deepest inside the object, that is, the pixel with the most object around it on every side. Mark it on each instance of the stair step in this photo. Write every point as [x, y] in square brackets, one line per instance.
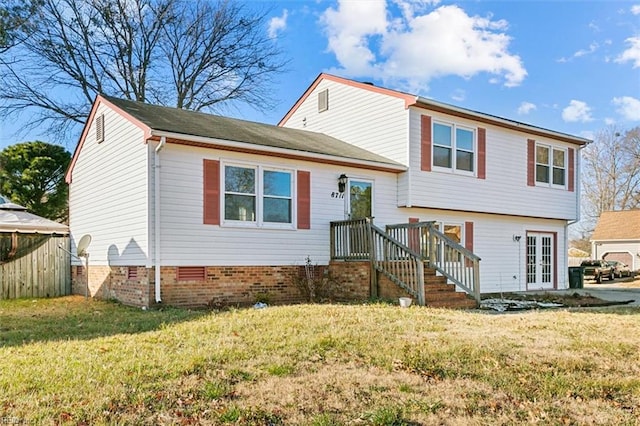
[444, 295]
[439, 287]
[465, 303]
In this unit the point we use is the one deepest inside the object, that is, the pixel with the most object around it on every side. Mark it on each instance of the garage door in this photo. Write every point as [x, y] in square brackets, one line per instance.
[623, 257]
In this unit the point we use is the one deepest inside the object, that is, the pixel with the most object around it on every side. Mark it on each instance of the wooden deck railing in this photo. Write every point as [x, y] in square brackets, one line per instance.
[401, 251]
[459, 265]
[361, 240]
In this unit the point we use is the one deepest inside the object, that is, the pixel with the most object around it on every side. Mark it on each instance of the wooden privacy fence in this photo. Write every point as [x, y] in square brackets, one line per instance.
[43, 272]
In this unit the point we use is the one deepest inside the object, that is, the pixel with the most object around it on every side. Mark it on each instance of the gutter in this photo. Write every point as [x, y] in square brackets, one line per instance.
[156, 217]
[391, 166]
[499, 121]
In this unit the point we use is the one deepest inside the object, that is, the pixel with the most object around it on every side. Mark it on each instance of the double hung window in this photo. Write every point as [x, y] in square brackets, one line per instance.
[454, 147]
[550, 166]
[258, 196]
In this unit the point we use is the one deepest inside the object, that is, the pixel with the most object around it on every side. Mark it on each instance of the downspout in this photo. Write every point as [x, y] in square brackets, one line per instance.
[578, 198]
[156, 216]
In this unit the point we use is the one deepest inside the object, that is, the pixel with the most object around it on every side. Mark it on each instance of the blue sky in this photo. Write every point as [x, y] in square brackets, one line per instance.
[569, 66]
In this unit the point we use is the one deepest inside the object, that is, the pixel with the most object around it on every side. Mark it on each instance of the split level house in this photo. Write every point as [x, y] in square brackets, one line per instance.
[617, 237]
[379, 187]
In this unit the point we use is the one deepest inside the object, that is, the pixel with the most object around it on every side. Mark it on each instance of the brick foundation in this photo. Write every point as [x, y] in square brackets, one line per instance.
[232, 285]
[222, 285]
[389, 290]
[112, 282]
[353, 280]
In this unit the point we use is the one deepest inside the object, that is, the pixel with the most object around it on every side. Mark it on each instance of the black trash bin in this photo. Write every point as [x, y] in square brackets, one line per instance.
[576, 277]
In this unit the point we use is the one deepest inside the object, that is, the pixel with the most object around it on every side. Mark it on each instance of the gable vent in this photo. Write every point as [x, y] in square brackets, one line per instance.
[100, 128]
[323, 100]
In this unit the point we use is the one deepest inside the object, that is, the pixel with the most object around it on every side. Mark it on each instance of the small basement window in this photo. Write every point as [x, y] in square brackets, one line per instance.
[190, 273]
[323, 100]
[100, 128]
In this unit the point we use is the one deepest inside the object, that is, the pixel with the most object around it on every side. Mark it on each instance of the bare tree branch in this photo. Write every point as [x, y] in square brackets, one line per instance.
[195, 55]
[611, 172]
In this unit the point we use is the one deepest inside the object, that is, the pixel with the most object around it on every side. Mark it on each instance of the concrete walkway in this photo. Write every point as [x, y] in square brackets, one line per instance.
[615, 291]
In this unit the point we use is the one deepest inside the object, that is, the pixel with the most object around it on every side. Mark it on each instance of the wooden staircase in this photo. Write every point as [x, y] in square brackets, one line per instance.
[437, 292]
[410, 260]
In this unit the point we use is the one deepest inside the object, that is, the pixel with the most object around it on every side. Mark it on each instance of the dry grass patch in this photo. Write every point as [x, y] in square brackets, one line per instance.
[319, 365]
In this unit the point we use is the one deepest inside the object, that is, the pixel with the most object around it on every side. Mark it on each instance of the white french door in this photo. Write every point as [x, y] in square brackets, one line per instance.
[540, 261]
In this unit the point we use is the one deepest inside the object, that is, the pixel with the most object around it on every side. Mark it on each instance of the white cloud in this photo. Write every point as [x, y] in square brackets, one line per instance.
[348, 29]
[632, 53]
[278, 24]
[628, 107]
[583, 52]
[635, 9]
[525, 108]
[609, 121]
[459, 95]
[414, 48]
[577, 111]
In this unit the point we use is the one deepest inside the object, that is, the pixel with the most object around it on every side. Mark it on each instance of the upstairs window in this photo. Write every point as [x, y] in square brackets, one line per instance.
[454, 147]
[255, 195]
[551, 166]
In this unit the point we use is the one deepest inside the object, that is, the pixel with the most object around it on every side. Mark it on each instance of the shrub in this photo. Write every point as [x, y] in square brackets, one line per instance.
[315, 283]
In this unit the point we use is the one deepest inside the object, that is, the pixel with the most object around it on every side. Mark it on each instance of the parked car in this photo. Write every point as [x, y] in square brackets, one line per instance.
[597, 270]
[620, 269]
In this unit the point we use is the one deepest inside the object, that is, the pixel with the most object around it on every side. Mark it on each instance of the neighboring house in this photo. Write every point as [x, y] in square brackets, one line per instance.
[577, 256]
[617, 237]
[189, 208]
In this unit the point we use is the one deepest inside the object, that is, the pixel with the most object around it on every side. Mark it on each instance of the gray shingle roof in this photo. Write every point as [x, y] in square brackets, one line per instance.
[190, 123]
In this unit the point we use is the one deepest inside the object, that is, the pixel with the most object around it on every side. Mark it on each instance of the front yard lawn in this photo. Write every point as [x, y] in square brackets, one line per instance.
[77, 361]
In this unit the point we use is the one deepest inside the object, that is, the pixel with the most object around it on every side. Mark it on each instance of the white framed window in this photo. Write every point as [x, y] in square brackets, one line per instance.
[257, 196]
[551, 166]
[454, 148]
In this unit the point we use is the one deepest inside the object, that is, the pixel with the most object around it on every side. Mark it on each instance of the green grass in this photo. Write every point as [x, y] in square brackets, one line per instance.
[73, 361]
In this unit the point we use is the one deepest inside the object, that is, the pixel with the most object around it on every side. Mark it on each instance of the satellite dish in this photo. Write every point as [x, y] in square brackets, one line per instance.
[83, 244]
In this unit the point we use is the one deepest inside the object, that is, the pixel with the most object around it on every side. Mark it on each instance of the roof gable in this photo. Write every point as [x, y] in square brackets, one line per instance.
[83, 136]
[618, 225]
[408, 98]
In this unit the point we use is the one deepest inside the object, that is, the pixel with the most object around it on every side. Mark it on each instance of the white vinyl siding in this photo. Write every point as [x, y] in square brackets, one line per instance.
[504, 191]
[186, 241]
[373, 121]
[108, 195]
[503, 264]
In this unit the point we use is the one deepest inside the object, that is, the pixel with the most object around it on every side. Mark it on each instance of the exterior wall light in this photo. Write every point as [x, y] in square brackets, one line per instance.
[342, 183]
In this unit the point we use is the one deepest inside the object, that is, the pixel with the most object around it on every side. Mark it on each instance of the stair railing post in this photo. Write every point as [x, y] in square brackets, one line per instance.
[420, 279]
[432, 247]
[372, 259]
[476, 280]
